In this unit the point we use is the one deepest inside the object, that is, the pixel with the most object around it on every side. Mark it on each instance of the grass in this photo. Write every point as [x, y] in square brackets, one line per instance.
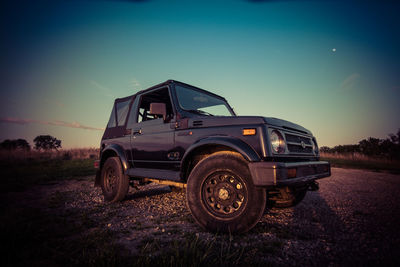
[66, 154]
[69, 238]
[189, 251]
[212, 250]
[38, 237]
[46, 234]
[51, 235]
[22, 169]
[19, 175]
[355, 161]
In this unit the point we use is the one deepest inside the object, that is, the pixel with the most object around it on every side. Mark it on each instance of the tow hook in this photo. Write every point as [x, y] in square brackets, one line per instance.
[314, 186]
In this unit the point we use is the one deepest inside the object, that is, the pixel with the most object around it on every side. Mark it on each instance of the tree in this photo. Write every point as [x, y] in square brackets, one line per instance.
[15, 144]
[395, 138]
[325, 149]
[23, 144]
[388, 148]
[393, 145]
[46, 142]
[371, 146]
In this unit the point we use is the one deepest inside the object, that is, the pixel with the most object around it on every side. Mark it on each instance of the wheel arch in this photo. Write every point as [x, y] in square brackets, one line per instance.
[112, 150]
[209, 145]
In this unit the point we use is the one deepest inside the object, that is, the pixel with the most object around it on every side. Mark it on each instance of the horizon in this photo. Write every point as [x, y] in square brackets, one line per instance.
[332, 67]
[32, 144]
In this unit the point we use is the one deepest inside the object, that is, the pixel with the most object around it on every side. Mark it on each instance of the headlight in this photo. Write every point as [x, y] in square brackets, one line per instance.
[277, 142]
[315, 147]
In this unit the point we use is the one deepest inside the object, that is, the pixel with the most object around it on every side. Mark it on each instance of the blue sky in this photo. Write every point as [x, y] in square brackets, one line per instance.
[331, 66]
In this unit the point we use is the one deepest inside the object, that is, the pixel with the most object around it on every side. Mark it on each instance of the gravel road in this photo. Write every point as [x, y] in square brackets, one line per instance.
[352, 220]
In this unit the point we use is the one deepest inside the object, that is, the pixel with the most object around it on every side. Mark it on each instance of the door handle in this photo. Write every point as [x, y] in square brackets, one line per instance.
[137, 131]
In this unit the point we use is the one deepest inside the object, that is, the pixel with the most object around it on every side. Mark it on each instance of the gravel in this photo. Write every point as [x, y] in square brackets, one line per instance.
[352, 220]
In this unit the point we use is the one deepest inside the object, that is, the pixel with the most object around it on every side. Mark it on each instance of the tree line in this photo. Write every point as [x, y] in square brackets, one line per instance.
[374, 147]
[42, 142]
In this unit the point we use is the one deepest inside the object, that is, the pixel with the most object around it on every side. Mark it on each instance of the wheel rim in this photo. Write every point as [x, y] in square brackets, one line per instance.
[224, 194]
[110, 180]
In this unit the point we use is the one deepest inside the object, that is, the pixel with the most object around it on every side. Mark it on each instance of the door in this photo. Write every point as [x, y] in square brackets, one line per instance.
[153, 137]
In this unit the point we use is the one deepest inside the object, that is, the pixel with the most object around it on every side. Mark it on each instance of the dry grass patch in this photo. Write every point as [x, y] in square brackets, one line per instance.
[361, 161]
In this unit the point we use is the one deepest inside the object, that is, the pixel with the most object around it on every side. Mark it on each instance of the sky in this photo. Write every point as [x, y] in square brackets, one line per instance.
[330, 66]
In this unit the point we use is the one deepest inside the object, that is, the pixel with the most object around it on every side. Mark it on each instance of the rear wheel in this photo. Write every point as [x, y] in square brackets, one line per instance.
[221, 195]
[114, 183]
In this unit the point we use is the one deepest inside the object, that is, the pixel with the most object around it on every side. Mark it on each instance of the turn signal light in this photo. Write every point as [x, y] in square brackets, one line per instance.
[249, 131]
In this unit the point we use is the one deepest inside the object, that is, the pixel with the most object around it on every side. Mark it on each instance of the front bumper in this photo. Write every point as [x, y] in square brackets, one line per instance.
[288, 173]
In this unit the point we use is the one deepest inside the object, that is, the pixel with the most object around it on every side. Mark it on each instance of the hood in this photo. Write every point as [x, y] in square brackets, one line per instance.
[243, 120]
[286, 124]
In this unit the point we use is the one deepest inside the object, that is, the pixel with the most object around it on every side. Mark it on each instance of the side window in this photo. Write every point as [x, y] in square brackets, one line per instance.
[111, 121]
[159, 96]
[132, 114]
[122, 112]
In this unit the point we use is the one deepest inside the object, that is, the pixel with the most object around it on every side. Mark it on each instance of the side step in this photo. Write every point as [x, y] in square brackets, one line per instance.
[154, 173]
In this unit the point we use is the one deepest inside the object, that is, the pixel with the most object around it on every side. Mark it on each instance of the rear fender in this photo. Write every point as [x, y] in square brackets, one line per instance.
[112, 150]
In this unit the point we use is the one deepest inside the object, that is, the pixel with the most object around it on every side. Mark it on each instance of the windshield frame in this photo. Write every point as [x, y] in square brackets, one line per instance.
[190, 87]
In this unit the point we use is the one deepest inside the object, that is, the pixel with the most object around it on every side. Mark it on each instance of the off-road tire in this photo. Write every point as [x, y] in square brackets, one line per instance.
[221, 195]
[114, 183]
[289, 197]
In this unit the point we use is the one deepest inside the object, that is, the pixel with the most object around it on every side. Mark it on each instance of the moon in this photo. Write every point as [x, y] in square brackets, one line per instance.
[333, 49]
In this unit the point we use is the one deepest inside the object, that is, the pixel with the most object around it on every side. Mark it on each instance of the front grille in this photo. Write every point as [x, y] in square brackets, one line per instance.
[299, 149]
[297, 139]
[298, 144]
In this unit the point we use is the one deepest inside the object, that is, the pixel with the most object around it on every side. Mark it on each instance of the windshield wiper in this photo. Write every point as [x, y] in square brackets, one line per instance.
[200, 112]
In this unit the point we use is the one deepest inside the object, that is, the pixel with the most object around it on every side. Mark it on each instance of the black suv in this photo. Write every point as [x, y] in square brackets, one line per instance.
[231, 166]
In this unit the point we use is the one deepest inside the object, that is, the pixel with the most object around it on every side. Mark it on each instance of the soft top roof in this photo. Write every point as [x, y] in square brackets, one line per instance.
[168, 82]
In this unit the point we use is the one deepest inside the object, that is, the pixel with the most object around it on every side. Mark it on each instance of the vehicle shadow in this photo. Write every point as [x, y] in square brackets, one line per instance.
[316, 223]
[320, 231]
[148, 192]
[309, 230]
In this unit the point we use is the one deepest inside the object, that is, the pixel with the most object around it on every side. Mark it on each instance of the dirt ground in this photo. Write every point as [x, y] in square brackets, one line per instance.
[352, 220]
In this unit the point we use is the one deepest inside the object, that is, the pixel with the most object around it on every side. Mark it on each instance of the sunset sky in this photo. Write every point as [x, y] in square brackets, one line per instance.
[330, 66]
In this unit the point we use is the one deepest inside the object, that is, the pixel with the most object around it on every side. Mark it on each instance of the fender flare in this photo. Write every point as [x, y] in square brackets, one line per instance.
[120, 153]
[116, 149]
[233, 143]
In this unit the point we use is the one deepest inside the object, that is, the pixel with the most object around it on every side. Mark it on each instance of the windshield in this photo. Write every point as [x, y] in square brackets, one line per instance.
[201, 103]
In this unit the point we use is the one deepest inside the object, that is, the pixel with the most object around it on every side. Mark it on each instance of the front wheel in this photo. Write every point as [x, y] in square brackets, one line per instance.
[114, 183]
[221, 195]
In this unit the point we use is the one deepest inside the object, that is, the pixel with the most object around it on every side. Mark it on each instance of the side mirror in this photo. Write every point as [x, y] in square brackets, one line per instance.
[158, 109]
